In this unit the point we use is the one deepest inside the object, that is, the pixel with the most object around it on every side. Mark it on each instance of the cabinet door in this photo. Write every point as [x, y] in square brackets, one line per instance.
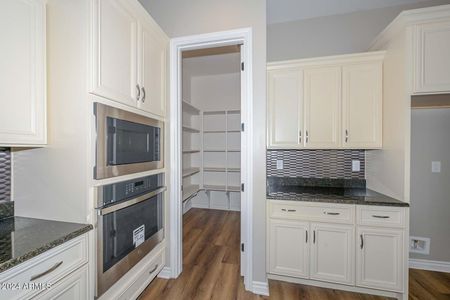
[115, 51]
[332, 253]
[285, 95]
[322, 107]
[432, 62]
[288, 248]
[379, 259]
[152, 66]
[22, 73]
[72, 287]
[362, 105]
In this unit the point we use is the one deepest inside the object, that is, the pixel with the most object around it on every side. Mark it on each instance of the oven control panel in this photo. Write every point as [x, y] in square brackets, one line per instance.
[121, 191]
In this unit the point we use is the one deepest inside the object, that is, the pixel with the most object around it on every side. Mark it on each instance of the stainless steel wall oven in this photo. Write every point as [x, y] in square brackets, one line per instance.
[130, 224]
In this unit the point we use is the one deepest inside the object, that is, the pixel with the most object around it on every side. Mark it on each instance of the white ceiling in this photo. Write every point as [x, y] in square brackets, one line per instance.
[279, 11]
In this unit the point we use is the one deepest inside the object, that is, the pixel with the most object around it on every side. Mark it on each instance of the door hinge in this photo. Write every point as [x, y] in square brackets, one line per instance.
[242, 66]
[242, 127]
[181, 187]
[242, 247]
[242, 187]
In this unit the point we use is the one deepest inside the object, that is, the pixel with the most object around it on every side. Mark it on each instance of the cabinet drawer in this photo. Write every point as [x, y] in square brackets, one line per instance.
[147, 274]
[320, 212]
[384, 216]
[44, 269]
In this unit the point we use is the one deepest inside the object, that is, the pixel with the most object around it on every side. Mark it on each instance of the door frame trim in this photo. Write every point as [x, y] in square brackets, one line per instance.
[177, 45]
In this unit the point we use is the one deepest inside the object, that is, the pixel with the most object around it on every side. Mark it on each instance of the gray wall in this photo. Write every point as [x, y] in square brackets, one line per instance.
[180, 18]
[430, 192]
[332, 35]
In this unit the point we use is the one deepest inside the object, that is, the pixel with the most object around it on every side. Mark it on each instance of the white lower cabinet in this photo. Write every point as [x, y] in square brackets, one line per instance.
[74, 287]
[380, 258]
[352, 247]
[59, 273]
[332, 253]
[291, 260]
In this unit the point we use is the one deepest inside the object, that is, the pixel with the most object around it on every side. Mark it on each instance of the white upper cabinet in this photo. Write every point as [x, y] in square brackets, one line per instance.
[322, 107]
[129, 56]
[115, 51]
[362, 105]
[326, 103]
[22, 73]
[285, 94]
[431, 57]
[152, 70]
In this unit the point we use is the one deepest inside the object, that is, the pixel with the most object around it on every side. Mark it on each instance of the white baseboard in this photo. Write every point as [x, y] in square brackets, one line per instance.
[430, 265]
[260, 288]
[165, 273]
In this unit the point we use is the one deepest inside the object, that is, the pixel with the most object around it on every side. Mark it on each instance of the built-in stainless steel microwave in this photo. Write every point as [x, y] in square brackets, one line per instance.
[127, 143]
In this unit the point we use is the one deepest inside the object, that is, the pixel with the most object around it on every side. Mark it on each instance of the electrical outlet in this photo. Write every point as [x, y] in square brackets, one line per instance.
[356, 166]
[280, 164]
[435, 167]
[419, 245]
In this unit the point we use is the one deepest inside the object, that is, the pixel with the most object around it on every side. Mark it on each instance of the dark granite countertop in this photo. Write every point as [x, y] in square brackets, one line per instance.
[301, 190]
[24, 238]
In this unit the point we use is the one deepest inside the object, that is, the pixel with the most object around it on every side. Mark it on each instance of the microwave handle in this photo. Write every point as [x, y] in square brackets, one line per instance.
[113, 208]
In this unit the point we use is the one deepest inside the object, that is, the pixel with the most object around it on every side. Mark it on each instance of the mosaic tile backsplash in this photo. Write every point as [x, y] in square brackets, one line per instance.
[5, 174]
[335, 164]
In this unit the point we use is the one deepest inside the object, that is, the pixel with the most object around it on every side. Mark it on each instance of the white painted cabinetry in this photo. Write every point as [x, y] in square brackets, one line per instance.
[294, 259]
[129, 56]
[152, 69]
[326, 103]
[344, 246]
[380, 258]
[431, 57]
[285, 97]
[332, 253]
[115, 51]
[64, 269]
[322, 87]
[23, 73]
[362, 105]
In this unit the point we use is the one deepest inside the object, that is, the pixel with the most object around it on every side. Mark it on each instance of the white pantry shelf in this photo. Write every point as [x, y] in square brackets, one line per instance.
[190, 190]
[190, 171]
[190, 109]
[190, 129]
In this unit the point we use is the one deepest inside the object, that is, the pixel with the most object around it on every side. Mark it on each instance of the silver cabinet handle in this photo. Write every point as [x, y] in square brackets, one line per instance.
[307, 136]
[314, 236]
[288, 210]
[306, 236]
[138, 95]
[362, 241]
[333, 213]
[380, 217]
[143, 94]
[299, 136]
[56, 266]
[346, 135]
[153, 270]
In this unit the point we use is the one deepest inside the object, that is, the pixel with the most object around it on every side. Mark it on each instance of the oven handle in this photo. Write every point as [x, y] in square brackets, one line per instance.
[110, 209]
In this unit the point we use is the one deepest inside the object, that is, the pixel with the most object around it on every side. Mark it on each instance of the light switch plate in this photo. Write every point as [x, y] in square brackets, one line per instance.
[356, 166]
[280, 164]
[436, 167]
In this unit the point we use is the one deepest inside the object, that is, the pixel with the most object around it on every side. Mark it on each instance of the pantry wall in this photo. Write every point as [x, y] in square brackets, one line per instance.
[211, 133]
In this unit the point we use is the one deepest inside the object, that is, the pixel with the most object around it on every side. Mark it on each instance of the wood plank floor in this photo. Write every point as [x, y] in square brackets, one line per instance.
[211, 268]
